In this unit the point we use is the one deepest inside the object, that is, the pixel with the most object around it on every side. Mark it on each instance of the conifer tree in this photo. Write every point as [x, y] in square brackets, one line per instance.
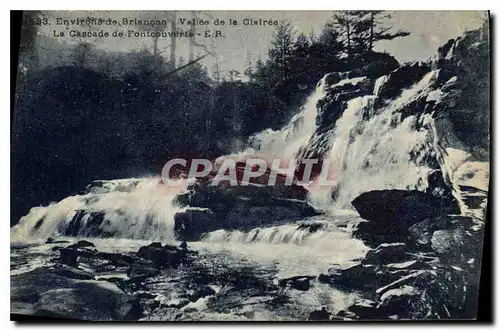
[280, 52]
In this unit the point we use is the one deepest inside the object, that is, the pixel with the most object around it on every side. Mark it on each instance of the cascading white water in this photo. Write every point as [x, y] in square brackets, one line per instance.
[374, 153]
[285, 234]
[133, 208]
[365, 154]
[292, 249]
[285, 143]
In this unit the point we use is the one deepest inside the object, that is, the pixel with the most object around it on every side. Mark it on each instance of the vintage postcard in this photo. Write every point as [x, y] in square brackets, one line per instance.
[250, 165]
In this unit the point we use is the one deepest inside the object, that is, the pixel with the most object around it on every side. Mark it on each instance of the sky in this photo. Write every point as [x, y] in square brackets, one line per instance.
[429, 30]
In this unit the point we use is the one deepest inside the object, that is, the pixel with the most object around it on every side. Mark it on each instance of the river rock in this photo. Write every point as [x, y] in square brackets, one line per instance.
[138, 272]
[386, 253]
[364, 308]
[192, 223]
[403, 77]
[415, 278]
[358, 276]
[71, 254]
[419, 234]
[448, 242]
[301, 283]
[74, 273]
[164, 257]
[320, 315]
[238, 208]
[58, 296]
[392, 212]
[51, 240]
[399, 301]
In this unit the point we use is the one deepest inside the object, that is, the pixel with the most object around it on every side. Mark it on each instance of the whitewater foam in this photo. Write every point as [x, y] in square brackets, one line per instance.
[132, 208]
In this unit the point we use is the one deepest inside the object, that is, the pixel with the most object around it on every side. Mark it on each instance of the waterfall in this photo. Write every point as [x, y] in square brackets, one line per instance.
[370, 148]
[285, 143]
[126, 208]
[377, 153]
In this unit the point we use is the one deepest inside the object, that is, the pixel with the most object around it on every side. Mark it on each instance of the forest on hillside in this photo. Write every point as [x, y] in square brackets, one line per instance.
[82, 113]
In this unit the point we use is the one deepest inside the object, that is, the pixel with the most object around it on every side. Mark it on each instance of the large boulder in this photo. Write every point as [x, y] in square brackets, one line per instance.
[420, 234]
[301, 283]
[448, 242]
[403, 77]
[377, 64]
[71, 254]
[42, 292]
[392, 212]
[320, 315]
[192, 223]
[237, 207]
[399, 302]
[386, 253]
[359, 276]
[164, 256]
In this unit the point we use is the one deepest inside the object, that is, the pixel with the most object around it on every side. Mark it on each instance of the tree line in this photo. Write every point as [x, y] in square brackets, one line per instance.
[296, 62]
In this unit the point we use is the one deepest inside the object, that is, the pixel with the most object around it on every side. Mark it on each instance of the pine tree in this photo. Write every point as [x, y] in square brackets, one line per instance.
[216, 71]
[301, 57]
[378, 31]
[260, 74]
[342, 23]
[280, 52]
[359, 30]
[249, 69]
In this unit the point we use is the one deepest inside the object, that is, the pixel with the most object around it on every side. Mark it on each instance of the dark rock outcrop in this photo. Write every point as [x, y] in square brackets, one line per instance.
[320, 315]
[55, 295]
[403, 77]
[358, 276]
[92, 224]
[386, 253]
[392, 212]
[399, 301]
[74, 273]
[69, 255]
[301, 283]
[191, 224]
[164, 256]
[378, 64]
[138, 272]
[237, 207]
[364, 309]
